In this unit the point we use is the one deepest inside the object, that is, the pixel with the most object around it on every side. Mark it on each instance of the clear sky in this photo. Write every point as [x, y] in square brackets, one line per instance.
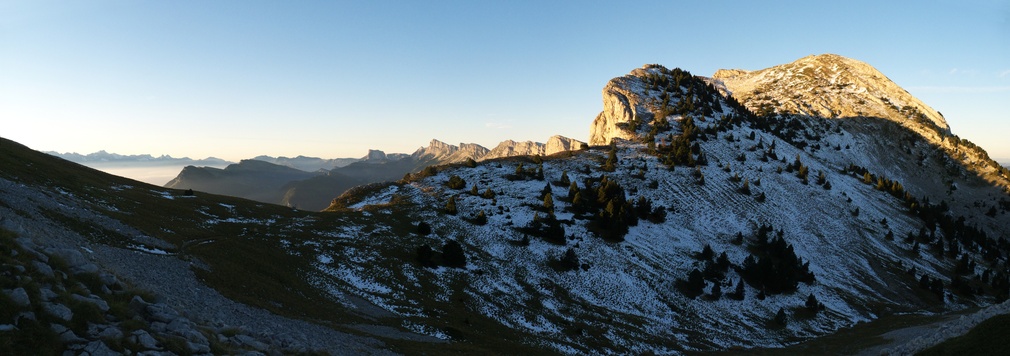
[236, 79]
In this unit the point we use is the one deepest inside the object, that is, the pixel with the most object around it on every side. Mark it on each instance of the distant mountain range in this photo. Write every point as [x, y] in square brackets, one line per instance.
[311, 183]
[103, 157]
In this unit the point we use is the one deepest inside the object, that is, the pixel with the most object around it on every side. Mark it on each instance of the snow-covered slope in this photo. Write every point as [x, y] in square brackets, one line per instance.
[833, 86]
[721, 173]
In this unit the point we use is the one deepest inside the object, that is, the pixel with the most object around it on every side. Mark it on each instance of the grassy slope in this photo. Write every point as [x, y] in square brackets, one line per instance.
[253, 259]
[987, 338]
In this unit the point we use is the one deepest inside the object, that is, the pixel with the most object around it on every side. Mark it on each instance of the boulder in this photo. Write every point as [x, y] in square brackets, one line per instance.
[162, 312]
[58, 310]
[94, 300]
[145, 340]
[43, 269]
[19, 296]
[98, 348]
[75, 260]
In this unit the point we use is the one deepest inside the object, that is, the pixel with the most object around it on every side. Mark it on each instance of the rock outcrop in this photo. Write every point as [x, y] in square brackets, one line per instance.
[621, 106]
[375, 155]
[558, 143]
[509, 148]
[439, 152]
[446, 153]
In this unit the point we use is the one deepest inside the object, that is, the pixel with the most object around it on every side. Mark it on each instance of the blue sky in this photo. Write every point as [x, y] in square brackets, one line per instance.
[236, 79]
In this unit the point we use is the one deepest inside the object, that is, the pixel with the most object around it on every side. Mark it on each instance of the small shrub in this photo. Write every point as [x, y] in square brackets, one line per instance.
[456, 182]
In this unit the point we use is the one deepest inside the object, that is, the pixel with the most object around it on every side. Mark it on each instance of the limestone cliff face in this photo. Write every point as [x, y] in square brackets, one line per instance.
[375, 155]
[558, 143]
[622, 104]
[445, 153]
[830, 86]
[509, 148]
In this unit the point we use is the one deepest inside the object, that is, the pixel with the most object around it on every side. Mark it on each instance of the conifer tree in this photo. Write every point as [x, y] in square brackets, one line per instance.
[570, 261]
[781, 318]
[812, 304]
[450, 206]
[549, 202]
[706, 253]
[425, 256]
[452, 255]
[456, 182]
[572, 190]
[611, 163]
[481, 218]
[423, 228]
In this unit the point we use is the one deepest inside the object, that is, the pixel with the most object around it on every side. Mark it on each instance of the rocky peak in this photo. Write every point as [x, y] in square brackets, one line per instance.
[829, 86]
[375, 155]
[558, 143]
[653, 94]
[509, 148]
[446, 153]
[621, 105]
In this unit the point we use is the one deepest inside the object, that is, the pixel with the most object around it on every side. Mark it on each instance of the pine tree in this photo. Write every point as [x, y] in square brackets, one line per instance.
[549, 202]
[706, 253]
[695, 284]
[716, 291]
[739, 294]
[611, 163]
[450, 206]
[456, 182]
[480, 219]
[423, 228]
[452, 255]
[570, 261]
[745, 189]
[738, 240]
[564, 178]
[425, 256]
[573, 189]
[812, 304]
[473, 191]
[781, 318]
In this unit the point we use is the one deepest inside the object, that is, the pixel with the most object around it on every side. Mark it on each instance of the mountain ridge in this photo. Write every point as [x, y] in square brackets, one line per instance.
[267, 182]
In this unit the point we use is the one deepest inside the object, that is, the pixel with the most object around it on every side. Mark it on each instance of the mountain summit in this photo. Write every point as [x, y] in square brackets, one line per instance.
[829, 86]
